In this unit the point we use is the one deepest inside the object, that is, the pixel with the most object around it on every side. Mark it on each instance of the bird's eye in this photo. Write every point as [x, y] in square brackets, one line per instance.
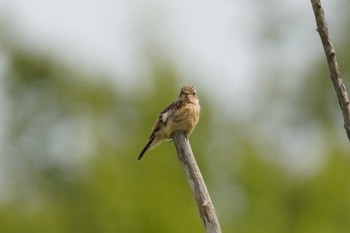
[193, 93]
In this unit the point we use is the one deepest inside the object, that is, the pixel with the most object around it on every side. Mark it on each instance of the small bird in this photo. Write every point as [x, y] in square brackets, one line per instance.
[182, 115]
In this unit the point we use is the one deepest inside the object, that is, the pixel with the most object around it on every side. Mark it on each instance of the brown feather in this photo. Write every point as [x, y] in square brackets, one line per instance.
[145, 148]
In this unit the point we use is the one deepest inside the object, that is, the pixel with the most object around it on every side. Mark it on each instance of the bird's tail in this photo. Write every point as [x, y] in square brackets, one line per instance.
[145, 148]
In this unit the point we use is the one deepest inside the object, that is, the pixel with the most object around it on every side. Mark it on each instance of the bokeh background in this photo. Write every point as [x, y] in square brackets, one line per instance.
[82, 82]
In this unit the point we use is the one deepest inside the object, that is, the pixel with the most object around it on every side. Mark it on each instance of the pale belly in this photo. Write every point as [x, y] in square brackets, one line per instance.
[183, 121]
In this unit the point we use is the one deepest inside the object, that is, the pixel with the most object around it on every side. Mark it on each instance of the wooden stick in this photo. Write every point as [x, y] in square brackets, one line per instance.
[195, 179]
[337, 81]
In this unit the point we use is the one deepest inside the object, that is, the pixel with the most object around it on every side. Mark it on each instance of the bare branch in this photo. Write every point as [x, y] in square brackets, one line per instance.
[332, 64]
[195, 179]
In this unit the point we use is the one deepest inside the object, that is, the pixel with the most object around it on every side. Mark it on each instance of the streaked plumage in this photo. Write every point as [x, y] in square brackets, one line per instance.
[182, 115]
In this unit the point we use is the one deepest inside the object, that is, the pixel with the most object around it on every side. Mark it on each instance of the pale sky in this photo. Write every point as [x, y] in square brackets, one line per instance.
[214, 44]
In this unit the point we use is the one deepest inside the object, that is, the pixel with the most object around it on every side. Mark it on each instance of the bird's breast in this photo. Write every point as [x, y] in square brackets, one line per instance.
[187, 118]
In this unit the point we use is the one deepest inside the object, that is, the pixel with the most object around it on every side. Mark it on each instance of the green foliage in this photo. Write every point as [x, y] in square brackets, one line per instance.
[278, 203]
[72, 145]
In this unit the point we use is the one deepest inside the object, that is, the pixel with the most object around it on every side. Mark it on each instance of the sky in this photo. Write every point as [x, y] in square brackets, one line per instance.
[215, 44]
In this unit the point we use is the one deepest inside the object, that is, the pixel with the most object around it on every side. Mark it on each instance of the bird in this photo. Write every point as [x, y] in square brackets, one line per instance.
[181, 115]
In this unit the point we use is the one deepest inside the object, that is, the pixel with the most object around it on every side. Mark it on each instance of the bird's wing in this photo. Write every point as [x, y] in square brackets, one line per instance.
[163, 117]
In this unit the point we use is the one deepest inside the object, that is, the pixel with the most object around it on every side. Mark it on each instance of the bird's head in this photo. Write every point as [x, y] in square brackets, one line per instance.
[188, 94]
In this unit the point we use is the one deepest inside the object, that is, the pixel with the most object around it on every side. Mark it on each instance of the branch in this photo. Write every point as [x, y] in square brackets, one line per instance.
[195, 179]
[332, 64]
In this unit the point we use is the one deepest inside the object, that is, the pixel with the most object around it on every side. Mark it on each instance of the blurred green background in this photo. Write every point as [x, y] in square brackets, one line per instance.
[71, 138]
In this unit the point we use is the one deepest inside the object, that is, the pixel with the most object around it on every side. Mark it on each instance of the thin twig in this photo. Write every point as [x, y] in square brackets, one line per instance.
[195, 179]
[337, 81]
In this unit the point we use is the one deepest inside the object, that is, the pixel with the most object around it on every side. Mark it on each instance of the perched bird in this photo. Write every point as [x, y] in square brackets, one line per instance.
[182, 115]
